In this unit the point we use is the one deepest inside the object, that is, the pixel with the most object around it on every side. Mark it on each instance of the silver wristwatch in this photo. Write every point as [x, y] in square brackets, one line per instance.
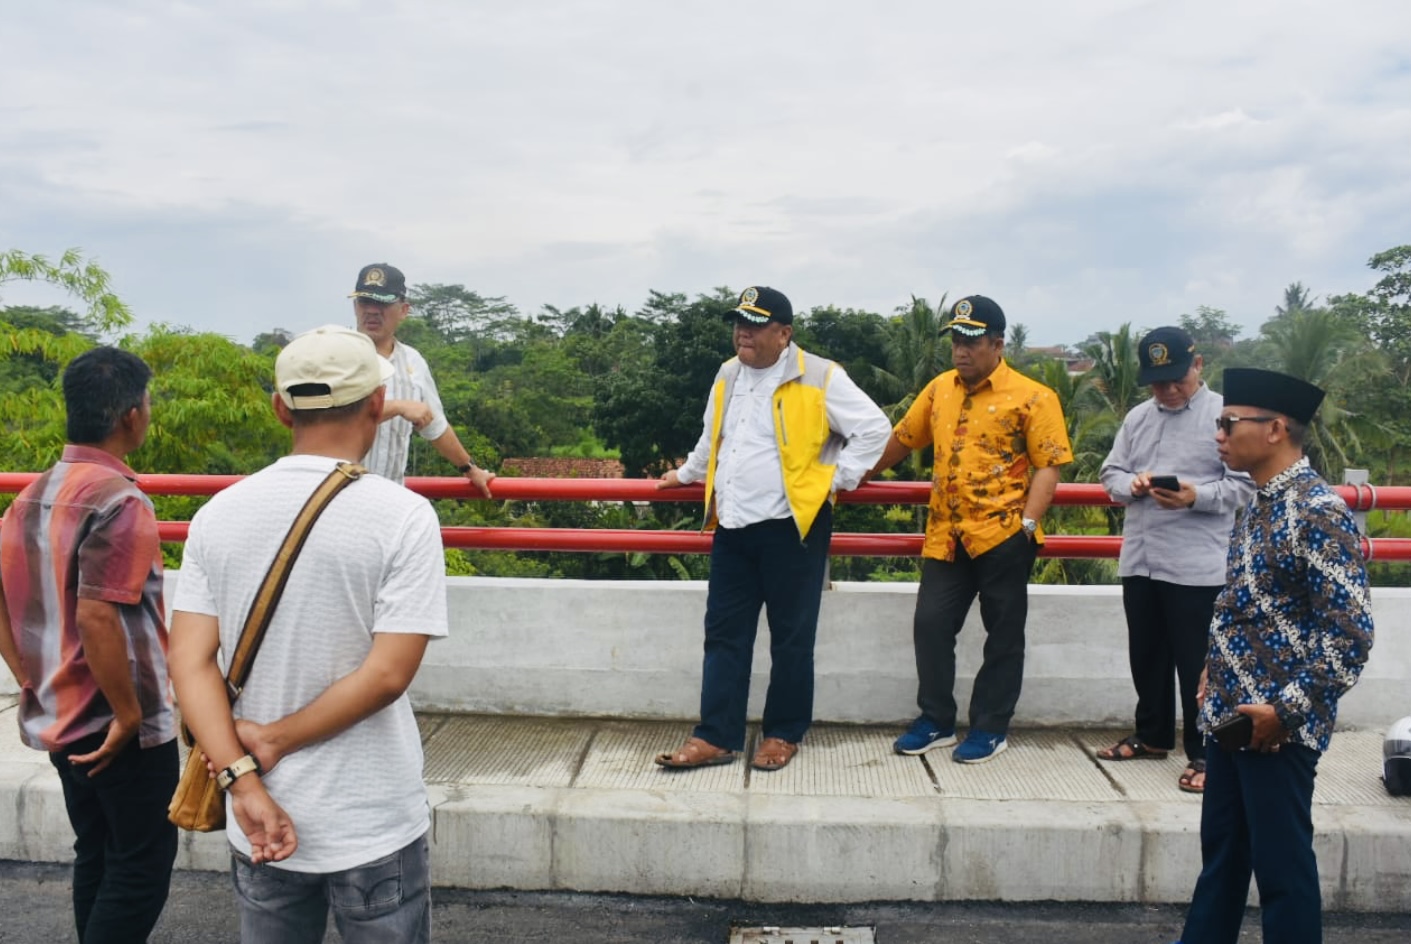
[1029, 525]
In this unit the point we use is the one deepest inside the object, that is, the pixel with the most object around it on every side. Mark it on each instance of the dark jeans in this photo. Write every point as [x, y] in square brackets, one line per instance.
[762, 564]
[1168, 626]
[1256, 815]
[123, 846]
[1001, 579]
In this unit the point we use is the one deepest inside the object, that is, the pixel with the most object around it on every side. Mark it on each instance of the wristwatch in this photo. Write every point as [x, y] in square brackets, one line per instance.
[469, 464]
[238, 769]
[1029, 525]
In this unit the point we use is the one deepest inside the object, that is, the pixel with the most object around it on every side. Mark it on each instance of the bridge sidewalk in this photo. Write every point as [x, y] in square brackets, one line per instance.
[542, 804]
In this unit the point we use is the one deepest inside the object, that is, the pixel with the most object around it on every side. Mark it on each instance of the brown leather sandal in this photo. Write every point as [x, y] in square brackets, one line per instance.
[1187, 783]
[774, 754]
[695, 753]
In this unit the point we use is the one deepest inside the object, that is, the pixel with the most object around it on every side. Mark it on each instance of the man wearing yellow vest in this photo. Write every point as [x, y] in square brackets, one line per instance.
[783, 431]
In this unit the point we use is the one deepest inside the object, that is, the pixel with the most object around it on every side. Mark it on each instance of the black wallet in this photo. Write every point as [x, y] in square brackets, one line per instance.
[1234, 733]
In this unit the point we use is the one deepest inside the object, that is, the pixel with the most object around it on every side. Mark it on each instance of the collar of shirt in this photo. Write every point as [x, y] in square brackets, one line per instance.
[77, 453]
[1280, 483]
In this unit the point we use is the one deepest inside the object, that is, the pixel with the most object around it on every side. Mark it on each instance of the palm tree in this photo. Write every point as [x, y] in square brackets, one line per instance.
[916, 353]
[1114, 371]
[1017, 351]
[1318, 346]
[1296, 298]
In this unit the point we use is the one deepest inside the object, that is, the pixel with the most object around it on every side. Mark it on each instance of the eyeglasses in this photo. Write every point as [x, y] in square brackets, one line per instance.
[1226, 424]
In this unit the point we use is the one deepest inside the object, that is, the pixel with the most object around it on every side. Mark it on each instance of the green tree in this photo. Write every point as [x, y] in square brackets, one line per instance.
[1114, 371]
[458, 314]
[85, 280]
[1211, 329]
[916, 352]
[1319, 346]
[653, 415]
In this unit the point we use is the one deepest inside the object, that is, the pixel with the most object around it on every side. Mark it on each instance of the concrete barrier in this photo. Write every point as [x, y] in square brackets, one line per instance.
[632, 649]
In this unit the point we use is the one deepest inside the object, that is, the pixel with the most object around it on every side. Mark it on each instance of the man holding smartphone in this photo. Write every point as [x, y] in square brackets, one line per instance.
[1291, 632]
[1180, 502]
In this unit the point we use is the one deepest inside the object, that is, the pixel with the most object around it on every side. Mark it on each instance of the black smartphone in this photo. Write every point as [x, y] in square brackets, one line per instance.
[1168, 482]
[1235, 733]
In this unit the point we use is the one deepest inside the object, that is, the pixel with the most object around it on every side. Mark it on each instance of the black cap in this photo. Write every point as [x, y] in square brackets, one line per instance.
[381, 283]
[975, 315]
[1269, 390]
[1165, 354]
[760, 304]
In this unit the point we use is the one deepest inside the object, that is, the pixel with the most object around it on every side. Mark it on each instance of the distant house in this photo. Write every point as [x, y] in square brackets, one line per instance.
[1077, 363]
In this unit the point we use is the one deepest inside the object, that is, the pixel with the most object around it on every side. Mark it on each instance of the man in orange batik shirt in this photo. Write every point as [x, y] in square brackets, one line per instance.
[999, 440]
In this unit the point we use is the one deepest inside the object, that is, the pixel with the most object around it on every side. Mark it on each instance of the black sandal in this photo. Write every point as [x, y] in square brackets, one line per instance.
[1138, 751]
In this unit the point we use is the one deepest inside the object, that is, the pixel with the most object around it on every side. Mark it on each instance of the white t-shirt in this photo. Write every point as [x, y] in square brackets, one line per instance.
[411, 380]
[372, 564]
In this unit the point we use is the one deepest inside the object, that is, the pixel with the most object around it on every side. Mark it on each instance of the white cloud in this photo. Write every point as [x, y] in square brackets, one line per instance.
[1130, 156]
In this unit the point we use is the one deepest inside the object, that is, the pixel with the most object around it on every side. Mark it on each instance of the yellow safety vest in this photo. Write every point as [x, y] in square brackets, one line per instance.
[800, 429]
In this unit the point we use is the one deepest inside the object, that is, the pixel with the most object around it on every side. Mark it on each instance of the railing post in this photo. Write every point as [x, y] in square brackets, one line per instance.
[1357, 478]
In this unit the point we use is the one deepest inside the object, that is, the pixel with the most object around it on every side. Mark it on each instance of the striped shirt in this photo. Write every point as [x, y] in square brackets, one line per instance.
[411, 380]
[1293, 626]
[1185, 547]
[83, 529]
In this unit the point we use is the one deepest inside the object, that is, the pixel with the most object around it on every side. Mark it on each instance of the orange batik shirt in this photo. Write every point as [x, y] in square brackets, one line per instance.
[988, 442]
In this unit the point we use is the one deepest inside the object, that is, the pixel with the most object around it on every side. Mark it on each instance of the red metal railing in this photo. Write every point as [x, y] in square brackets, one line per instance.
[1359, 498]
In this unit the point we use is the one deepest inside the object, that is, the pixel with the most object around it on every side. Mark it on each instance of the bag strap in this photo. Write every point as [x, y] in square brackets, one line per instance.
[262, 610]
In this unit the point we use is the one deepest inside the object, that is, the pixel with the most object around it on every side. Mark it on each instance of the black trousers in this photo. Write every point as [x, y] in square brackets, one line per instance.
[123, 844]
[1168, 629]
[1000, 577]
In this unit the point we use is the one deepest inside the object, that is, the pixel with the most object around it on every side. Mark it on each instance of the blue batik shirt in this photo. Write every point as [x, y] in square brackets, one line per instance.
[1293, 625]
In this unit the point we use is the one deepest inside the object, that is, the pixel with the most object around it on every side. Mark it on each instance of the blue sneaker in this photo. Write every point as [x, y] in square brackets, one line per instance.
[978, 747]
[922, 736]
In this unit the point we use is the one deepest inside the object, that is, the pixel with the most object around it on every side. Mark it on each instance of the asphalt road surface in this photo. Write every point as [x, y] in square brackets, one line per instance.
[34, 907]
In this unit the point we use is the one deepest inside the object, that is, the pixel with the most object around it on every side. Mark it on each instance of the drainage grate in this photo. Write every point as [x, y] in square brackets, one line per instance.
[826, 935]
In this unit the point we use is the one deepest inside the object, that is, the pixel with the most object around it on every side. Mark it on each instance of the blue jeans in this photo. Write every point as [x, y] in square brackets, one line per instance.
[386, 901]
[123, 844]
[766, 565]
[1257, 815]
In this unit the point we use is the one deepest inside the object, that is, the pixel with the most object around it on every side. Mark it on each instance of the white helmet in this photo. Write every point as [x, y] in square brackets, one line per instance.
[1396, 758]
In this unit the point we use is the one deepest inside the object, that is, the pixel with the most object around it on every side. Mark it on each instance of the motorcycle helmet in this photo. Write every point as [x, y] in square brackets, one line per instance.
[1396, 758]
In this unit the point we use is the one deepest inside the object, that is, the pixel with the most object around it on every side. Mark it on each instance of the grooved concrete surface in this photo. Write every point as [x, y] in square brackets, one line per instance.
[574, 804]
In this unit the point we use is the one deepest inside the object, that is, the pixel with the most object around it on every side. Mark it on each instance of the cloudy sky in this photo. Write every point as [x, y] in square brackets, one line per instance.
[1085, 162]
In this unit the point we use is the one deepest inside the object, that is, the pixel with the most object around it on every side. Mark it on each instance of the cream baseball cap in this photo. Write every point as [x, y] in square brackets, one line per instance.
[341, 361]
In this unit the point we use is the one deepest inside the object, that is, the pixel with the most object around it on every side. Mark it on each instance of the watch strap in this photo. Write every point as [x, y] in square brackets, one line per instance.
[238, 769]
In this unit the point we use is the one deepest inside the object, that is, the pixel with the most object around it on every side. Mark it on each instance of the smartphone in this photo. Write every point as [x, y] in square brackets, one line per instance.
[1235, 733]
[1168, 482]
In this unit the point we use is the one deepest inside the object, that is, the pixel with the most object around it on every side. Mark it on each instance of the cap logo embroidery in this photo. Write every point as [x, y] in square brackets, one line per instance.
[963, 309]
[1160, 357]
[750, 296]
[375, 277]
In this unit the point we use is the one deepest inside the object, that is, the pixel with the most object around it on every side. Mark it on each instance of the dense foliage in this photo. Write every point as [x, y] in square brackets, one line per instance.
[605, 383]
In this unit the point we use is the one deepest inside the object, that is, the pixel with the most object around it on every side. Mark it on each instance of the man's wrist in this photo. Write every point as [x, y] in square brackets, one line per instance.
[467, 466]
[227, 776]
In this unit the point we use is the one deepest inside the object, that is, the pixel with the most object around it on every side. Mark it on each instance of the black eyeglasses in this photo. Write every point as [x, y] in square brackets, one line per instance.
[1226, 424]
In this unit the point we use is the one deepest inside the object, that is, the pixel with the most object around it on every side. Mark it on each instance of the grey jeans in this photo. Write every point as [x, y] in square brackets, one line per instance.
[386, 900]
